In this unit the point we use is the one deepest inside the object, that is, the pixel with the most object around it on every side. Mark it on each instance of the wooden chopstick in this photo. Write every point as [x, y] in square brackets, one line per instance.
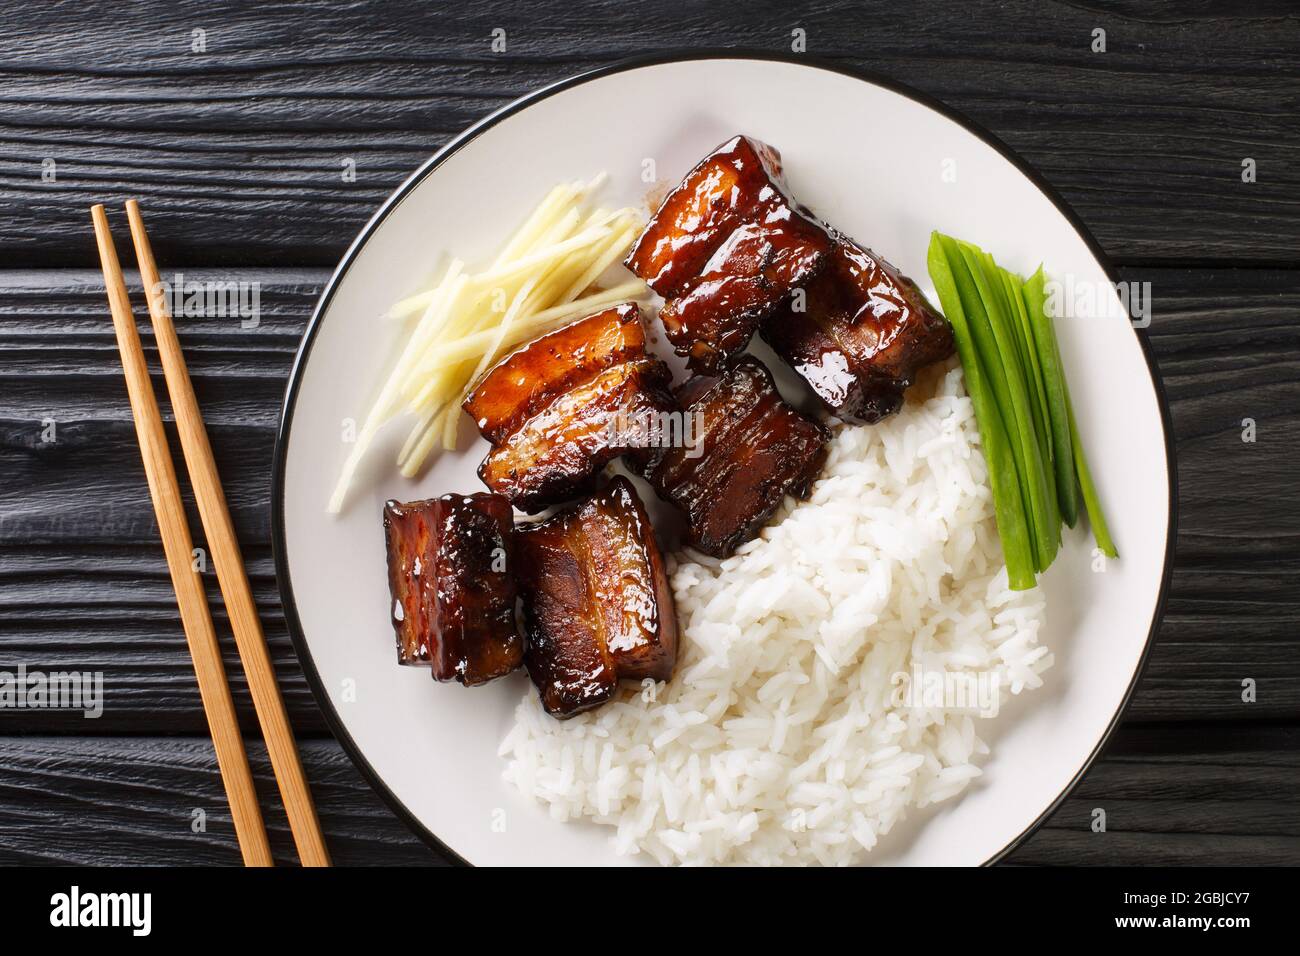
[220, 532]
[178, 546]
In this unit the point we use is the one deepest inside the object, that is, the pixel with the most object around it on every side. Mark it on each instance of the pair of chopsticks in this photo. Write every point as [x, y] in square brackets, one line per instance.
[178, 545]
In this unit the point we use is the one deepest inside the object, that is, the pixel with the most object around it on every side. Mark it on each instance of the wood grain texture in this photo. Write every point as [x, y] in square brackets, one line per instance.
[219, 532]
[1172, 795]
[178, 548]
[237, 153]
[93, 594]
[135, 801]
[1181, 796]
[238, 149]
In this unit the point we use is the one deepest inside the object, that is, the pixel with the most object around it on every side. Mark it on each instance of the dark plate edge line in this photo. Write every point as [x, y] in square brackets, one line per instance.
[284, 582]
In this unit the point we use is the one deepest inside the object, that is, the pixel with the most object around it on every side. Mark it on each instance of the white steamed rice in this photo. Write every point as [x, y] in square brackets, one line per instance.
[781, 739]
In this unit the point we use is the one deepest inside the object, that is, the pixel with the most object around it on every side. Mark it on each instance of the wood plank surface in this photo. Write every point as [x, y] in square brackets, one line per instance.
[1172, 795]
[235, 138]
[143, 801]
[86, 587]
[237, 149]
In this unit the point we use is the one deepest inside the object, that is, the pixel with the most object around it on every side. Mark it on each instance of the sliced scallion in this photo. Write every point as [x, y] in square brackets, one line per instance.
[1008, 505]
[1009, 352]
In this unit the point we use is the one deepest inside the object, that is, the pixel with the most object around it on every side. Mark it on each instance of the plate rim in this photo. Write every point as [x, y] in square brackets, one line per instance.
[284, 583]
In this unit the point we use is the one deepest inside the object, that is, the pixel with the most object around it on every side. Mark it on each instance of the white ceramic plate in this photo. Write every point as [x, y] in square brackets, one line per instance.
[882, 163]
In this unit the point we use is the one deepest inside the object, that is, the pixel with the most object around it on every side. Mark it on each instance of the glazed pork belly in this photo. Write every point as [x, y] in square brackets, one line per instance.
[751, 451]
[725, 248]
[864, 333]
[561, 408]
[453, 588]
[597, 606]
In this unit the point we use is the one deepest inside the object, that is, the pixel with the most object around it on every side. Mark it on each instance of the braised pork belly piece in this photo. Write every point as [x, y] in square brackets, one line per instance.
[561, 408]
[751, 450]
[453, 588]
[864, 333]
[597, 605]
[725, 248]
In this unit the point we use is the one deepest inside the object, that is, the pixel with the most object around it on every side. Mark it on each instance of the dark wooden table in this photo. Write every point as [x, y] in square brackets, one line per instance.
[232, 124]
